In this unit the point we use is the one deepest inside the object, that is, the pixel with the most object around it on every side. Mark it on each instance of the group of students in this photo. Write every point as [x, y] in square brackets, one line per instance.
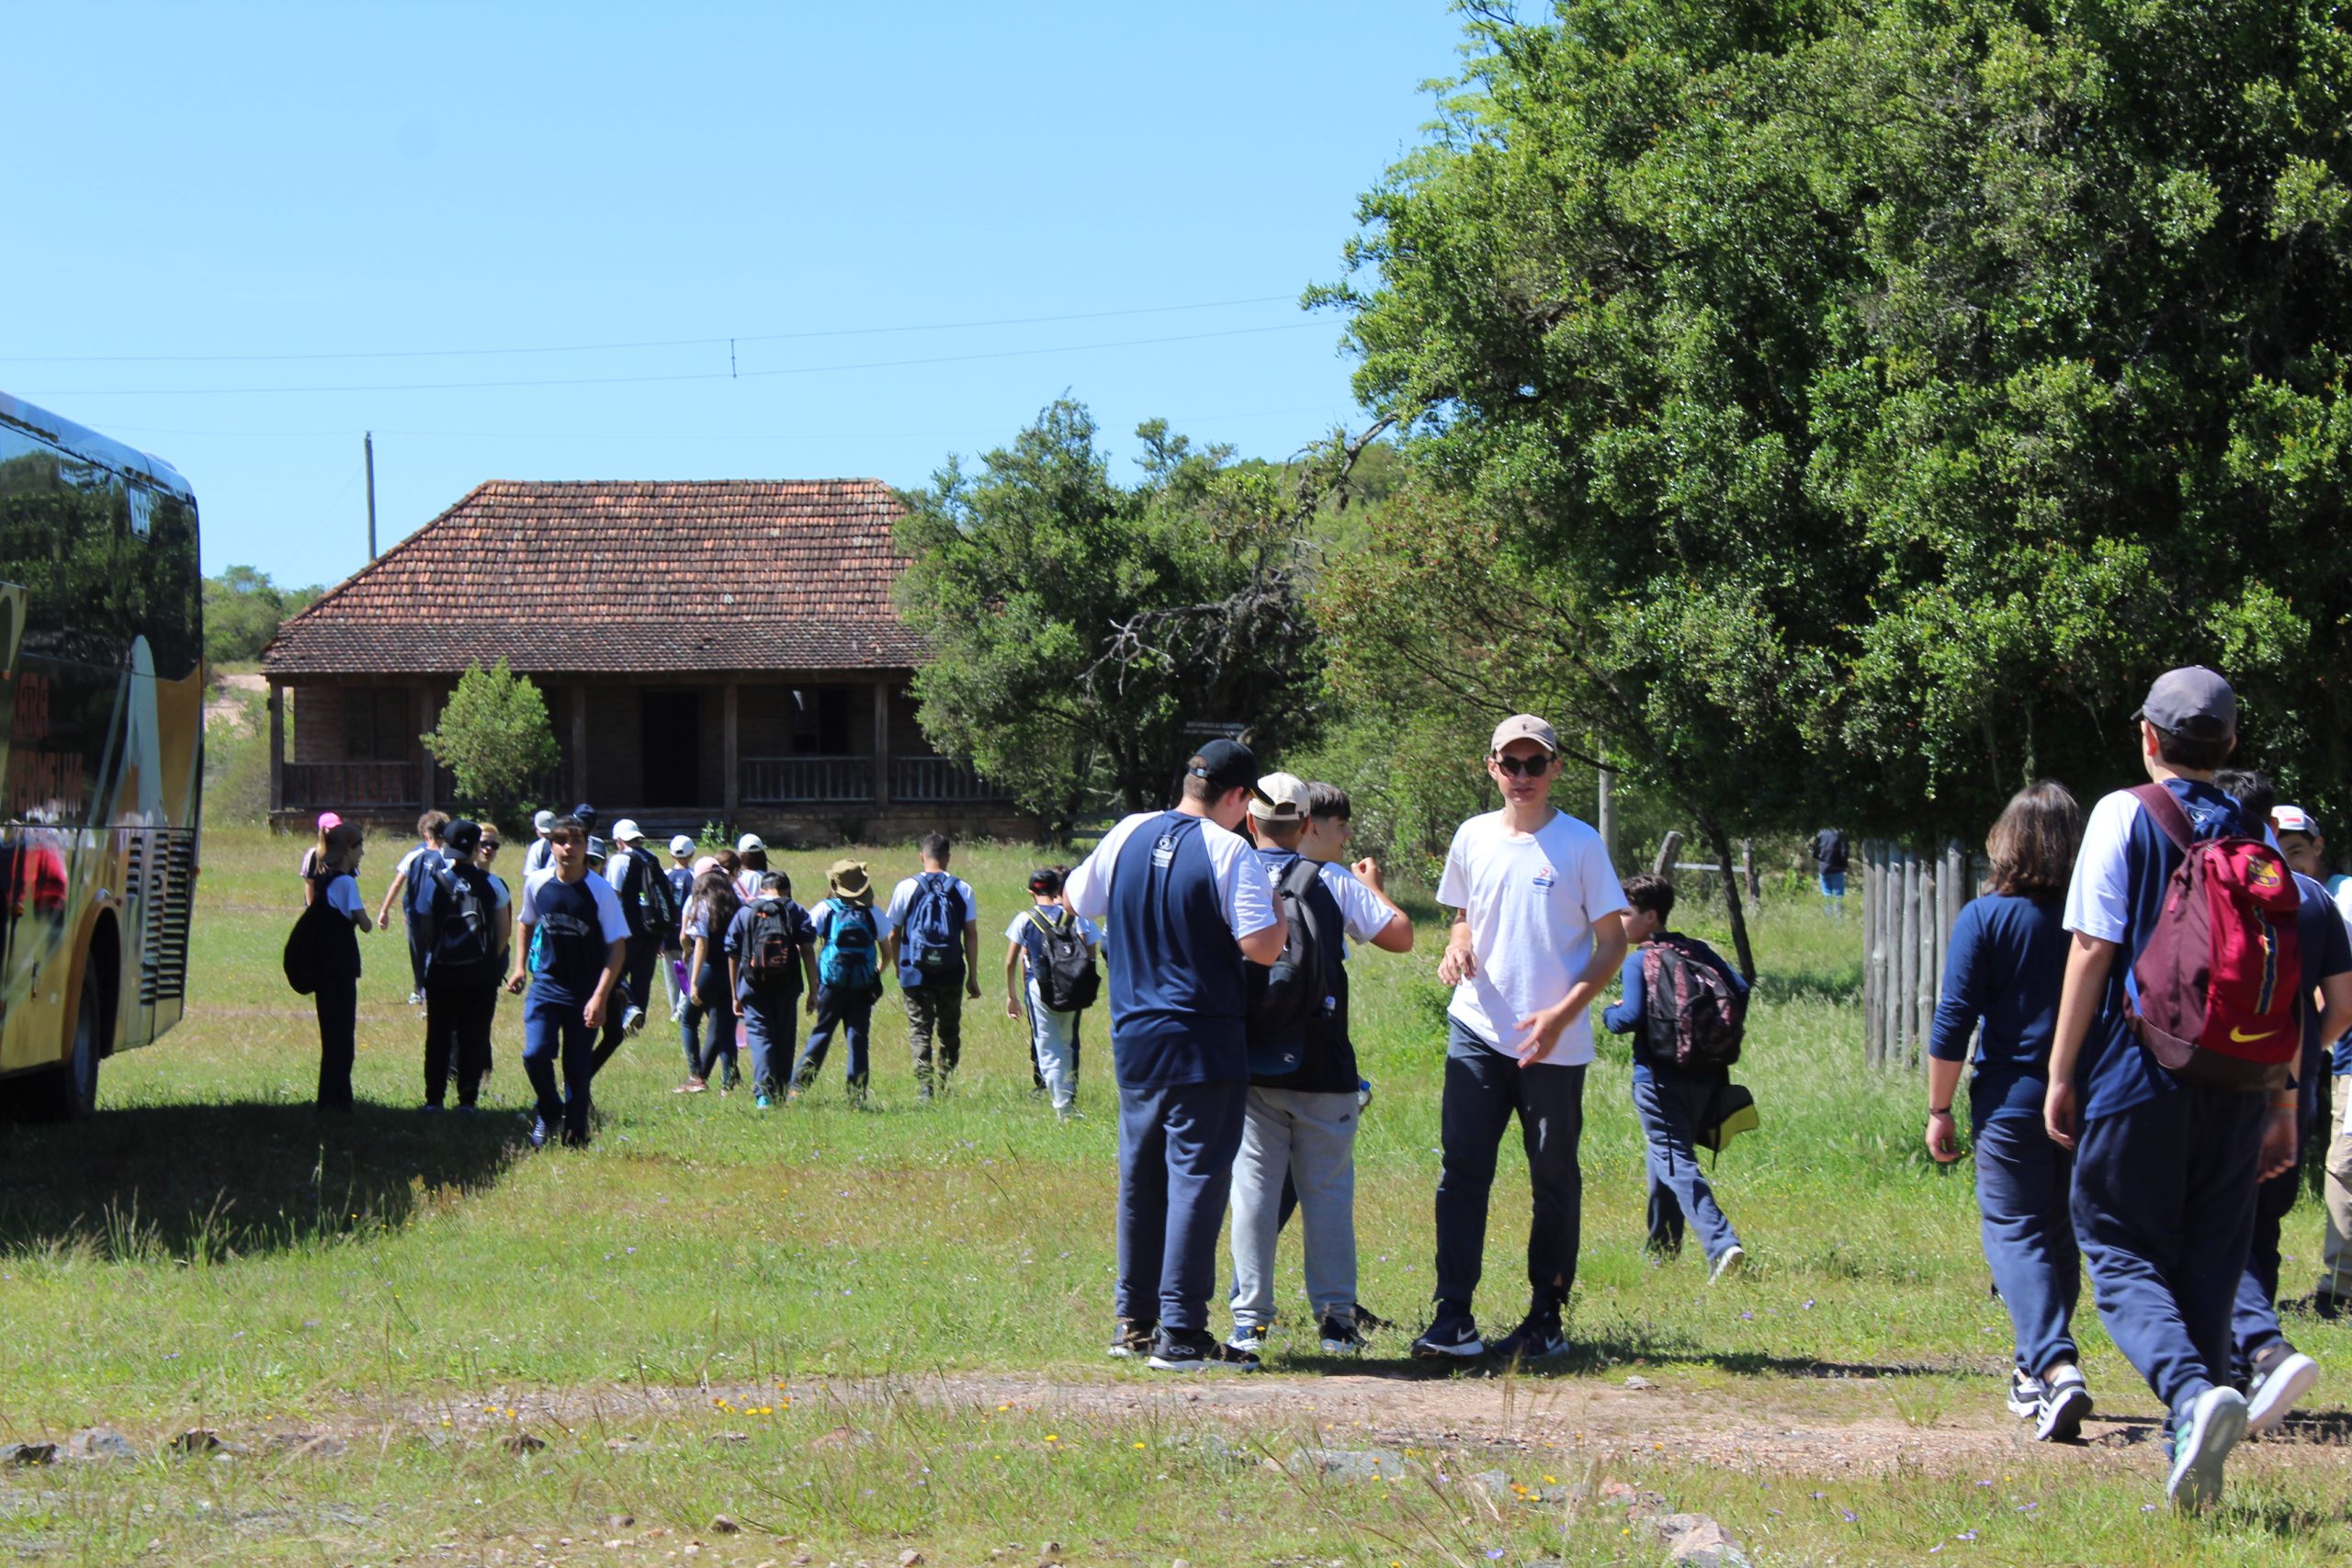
[1231, 1094]
[737, 956]
[2155, 995]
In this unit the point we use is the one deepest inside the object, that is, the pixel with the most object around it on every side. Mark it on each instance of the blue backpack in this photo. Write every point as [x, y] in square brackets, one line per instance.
[931, 946]
[422, 874]
[848, 961]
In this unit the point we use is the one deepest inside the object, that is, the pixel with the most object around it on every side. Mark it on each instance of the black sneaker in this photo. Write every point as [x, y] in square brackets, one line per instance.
[1342, 1335]
[1538, 1336]
[1196, 1349]
[1134, 1336]
[1453, 1334]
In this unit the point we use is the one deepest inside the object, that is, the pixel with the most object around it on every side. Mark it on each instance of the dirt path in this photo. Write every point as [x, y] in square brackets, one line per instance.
[227, 699]
[1828, 1426]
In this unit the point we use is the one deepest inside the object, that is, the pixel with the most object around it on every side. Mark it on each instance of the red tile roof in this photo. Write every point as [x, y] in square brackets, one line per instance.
[620, 577]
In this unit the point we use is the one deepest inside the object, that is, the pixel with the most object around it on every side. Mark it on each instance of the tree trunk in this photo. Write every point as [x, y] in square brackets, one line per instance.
[1720, 842]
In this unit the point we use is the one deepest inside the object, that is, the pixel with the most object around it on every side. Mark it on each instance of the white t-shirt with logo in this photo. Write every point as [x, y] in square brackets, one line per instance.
[1531, 900]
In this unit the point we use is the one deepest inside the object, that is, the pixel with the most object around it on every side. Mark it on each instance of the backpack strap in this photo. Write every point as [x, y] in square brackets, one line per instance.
[2166, 810]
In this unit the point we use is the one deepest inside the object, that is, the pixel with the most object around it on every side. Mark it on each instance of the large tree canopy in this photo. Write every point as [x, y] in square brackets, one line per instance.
[1845, 406]
[1077, 626]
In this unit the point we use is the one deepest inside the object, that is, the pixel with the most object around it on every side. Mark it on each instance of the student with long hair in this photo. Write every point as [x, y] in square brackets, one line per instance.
[337, 996]
[2006, 969]
[709, 996]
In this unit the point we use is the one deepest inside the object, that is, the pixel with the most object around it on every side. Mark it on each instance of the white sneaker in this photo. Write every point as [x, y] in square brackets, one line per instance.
[2066, 1400]
[2274, 1392]
[1733, 1258]
[1250, 1337]
[2025, 1394]
[2216, 1422]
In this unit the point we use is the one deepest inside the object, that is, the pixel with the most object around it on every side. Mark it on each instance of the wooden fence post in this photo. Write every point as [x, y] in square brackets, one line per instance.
[1667, 850]
[1907, 955]
[1870, 902]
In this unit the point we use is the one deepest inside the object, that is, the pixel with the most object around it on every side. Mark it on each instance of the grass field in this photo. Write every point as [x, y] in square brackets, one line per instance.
[858, 1336]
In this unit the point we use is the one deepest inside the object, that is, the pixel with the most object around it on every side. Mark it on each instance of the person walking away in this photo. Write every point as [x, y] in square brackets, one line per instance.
[480, 1052]
[1686, 1031]
[2300, 839]
[573, 944]
[2265, 1365]
[772, 957]
[645, 894]
[406, 879]
[2005, 967]
[681, 877]
[710, 1000]
[462, 949]
[1537, 932]
[540, 854]
[752, 853]
[2171, 1132]
[1049, 980]
[314, 857]
[932, 936]
[336, 995]
[848, 934]
[1183, 902]
[1829, 868]
[1303, 1108]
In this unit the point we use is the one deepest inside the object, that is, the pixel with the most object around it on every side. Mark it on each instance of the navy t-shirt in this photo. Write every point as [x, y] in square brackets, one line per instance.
[2326, 952]
[1178, 1003]
[573, 924]
[2006, 968]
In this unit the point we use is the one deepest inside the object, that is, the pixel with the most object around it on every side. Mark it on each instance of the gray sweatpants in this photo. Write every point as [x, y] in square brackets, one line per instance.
[1312, 1138]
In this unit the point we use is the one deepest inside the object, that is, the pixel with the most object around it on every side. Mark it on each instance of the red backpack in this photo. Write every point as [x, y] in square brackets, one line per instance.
[2221, 974]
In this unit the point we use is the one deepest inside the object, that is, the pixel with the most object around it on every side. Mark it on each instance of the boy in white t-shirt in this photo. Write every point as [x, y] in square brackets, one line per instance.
[1538, 932]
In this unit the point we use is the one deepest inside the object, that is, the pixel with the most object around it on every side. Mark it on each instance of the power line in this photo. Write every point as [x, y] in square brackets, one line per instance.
[608, 347]
[676, 376]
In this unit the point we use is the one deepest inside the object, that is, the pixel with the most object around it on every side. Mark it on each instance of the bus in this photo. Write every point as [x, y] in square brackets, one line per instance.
[102, 705]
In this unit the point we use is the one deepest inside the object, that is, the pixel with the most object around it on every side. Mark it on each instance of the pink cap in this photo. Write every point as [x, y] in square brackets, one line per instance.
[329, 821]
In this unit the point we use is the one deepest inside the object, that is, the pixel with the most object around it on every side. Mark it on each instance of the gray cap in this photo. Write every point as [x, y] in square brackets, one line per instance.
[2194, 702]
[1525, 727]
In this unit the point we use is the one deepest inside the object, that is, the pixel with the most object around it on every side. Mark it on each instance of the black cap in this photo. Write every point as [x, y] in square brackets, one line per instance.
[1226, 765]
[1046, 880]
[2194, 702]
[463, 836]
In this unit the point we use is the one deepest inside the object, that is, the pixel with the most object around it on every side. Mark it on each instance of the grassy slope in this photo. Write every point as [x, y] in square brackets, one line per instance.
[206, 1251]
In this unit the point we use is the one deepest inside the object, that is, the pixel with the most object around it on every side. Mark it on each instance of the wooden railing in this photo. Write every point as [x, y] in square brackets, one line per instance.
[794, 781]
[342, 786]
[931, 781]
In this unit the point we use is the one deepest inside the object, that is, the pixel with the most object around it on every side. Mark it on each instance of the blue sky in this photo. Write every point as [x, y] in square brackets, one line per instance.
[197, 183]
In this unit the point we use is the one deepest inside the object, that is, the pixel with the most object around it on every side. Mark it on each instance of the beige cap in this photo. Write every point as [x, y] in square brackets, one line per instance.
[1280, 797]
[1526, 726]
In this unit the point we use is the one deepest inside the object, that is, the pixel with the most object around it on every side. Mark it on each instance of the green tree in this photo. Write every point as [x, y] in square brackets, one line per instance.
[495, 739]
[1078, 624]
[242, 610]
[1846, 408]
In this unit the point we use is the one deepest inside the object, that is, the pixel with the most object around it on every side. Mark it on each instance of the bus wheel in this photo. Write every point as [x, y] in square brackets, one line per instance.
[69, 1091]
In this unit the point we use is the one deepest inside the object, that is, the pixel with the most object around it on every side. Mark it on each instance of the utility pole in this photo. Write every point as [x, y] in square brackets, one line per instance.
[1607, 812]
[371, 494]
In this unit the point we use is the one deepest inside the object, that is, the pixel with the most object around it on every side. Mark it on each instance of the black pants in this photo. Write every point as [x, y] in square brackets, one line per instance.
[420, 943]
[636, 984]
[457, 1011]
[337, 1001]
[1482, 1093]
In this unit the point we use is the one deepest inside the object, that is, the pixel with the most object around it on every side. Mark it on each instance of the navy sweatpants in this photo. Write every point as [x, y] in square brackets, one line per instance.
[553, 1033]
[1176, 1151]
[2164, 1206]
[2023, 1183]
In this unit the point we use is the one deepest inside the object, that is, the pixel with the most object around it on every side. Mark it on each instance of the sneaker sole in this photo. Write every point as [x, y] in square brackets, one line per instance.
[2195, 1484]
[1160, 1364]
[1468, 1349]
[2062, 1415]
[2288, 1383]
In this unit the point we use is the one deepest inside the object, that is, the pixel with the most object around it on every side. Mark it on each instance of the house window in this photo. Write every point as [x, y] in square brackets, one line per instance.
[821, 721]
[376, 724]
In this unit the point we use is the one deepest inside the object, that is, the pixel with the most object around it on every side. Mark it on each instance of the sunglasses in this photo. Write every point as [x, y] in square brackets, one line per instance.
[490, 846]
[1522, 767]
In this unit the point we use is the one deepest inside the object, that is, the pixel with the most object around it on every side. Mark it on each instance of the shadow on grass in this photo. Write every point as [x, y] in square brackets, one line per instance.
[1585, 1357]
[205, 1182]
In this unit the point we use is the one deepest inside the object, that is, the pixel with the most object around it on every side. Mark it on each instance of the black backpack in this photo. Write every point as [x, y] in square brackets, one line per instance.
[1066, 980]
[1691, 1015]
[462, 912]
[770, 958]
[417, 896]
[652, 907]
[306, 945]
[1289, 999]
